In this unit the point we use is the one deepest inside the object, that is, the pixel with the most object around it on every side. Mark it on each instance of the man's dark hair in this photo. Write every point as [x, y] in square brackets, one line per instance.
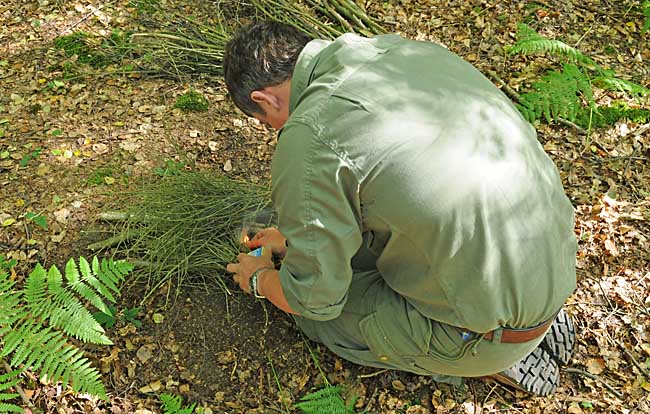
[260, 54]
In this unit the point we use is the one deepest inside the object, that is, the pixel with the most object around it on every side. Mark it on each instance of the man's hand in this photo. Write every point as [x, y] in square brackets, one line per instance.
[270, 238]
[246, 266]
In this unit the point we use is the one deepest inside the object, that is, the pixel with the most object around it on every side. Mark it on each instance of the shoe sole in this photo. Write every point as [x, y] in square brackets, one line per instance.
[560, 338]
[537, 374]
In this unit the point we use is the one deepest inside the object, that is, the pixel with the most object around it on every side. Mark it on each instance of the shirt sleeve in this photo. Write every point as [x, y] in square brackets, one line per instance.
[316, 195]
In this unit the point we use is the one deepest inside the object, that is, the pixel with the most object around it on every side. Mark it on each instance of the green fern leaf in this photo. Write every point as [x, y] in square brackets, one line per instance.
[92, 280]
[114, 271]
[29, 343]
[36, 321]
[325, 401]
[620, 85]
[35, 287]
[10, 408]
[77, 279]
[646, 17]
[530, 42]
[10, 310]
[173, 404]
[107, 278]
[558, 95]
[60, 307]
[8, 380]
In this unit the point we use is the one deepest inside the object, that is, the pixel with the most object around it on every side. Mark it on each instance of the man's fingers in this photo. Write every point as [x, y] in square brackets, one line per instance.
[254, 244]
[232, 268]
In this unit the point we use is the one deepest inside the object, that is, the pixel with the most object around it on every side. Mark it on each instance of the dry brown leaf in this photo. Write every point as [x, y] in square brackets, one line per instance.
[595, 365]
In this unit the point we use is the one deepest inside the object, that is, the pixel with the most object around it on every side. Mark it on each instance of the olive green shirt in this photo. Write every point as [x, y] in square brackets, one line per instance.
[404, 150]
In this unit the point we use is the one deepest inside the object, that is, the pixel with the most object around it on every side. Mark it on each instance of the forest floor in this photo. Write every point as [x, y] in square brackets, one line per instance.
[68, 149]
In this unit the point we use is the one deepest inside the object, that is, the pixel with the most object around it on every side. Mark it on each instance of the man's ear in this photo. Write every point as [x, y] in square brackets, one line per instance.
[264, 97]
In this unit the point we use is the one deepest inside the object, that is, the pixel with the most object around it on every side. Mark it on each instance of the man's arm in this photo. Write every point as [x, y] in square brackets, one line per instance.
[268, 284]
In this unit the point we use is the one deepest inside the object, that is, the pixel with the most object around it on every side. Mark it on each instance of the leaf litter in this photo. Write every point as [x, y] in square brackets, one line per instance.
[227, 364]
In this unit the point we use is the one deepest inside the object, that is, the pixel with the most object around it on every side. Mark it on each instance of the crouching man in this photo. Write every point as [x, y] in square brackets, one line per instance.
[421, 224]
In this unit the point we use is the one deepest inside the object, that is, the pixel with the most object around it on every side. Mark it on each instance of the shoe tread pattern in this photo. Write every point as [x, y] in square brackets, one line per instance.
[560, 338]
[537, 374]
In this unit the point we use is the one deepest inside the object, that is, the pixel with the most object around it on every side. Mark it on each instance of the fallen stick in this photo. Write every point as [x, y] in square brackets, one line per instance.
[113, 241]
[595, 378]
[114, 216]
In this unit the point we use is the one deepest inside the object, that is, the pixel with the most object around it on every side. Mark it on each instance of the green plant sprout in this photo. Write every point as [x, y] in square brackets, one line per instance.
[110, 318]
[39, 220]
[30, 156]
[170, 168]
[192, 101]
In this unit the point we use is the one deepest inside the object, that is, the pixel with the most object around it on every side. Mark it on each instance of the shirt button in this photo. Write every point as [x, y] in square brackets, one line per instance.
[383, 358]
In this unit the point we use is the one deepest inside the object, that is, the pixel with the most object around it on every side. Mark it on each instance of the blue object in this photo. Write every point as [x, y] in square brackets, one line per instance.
[257, 252]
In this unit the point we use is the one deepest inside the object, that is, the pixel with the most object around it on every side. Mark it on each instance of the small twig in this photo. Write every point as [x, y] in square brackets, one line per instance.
[113, 241]
[629, 354]
[370, 401]
[640, 130]
[627, 165]
[374, 374]
[595, 378]
[114, 216]
[568, 123]
[504, 86]
[85, 17]
[20, 391]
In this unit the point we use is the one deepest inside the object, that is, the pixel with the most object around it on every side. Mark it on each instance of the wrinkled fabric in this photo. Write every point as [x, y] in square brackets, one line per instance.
[379, 328]
[401, 159]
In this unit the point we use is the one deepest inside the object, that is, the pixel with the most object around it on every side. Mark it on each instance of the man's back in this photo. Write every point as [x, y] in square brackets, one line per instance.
[468, 217]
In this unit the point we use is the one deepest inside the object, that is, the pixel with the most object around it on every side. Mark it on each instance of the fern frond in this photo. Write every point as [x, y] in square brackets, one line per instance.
[36, 321]
[66, 363]
[10, 408]
[325, 401]
[646, 17]
[173, 404]
[35, 289]
[111, 272]
[78, 282]
[529, 42]
[620, 85]
[10, 309]
[97, 281]
[557, 95]
[7, 381]
[60, 307]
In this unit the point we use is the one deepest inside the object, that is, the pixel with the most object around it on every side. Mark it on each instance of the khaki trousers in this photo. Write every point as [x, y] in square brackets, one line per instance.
[379, 328]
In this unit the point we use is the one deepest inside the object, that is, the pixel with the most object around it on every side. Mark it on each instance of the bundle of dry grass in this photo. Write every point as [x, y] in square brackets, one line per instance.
[191, 46]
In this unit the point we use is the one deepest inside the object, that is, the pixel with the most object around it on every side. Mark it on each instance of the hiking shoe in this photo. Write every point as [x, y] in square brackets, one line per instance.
[537, 374]
[560, 338]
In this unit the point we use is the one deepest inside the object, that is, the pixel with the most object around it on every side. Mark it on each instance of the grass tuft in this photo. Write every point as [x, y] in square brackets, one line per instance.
[185, 227]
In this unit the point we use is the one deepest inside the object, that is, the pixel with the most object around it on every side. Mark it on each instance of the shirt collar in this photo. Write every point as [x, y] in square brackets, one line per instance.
[304, 68]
